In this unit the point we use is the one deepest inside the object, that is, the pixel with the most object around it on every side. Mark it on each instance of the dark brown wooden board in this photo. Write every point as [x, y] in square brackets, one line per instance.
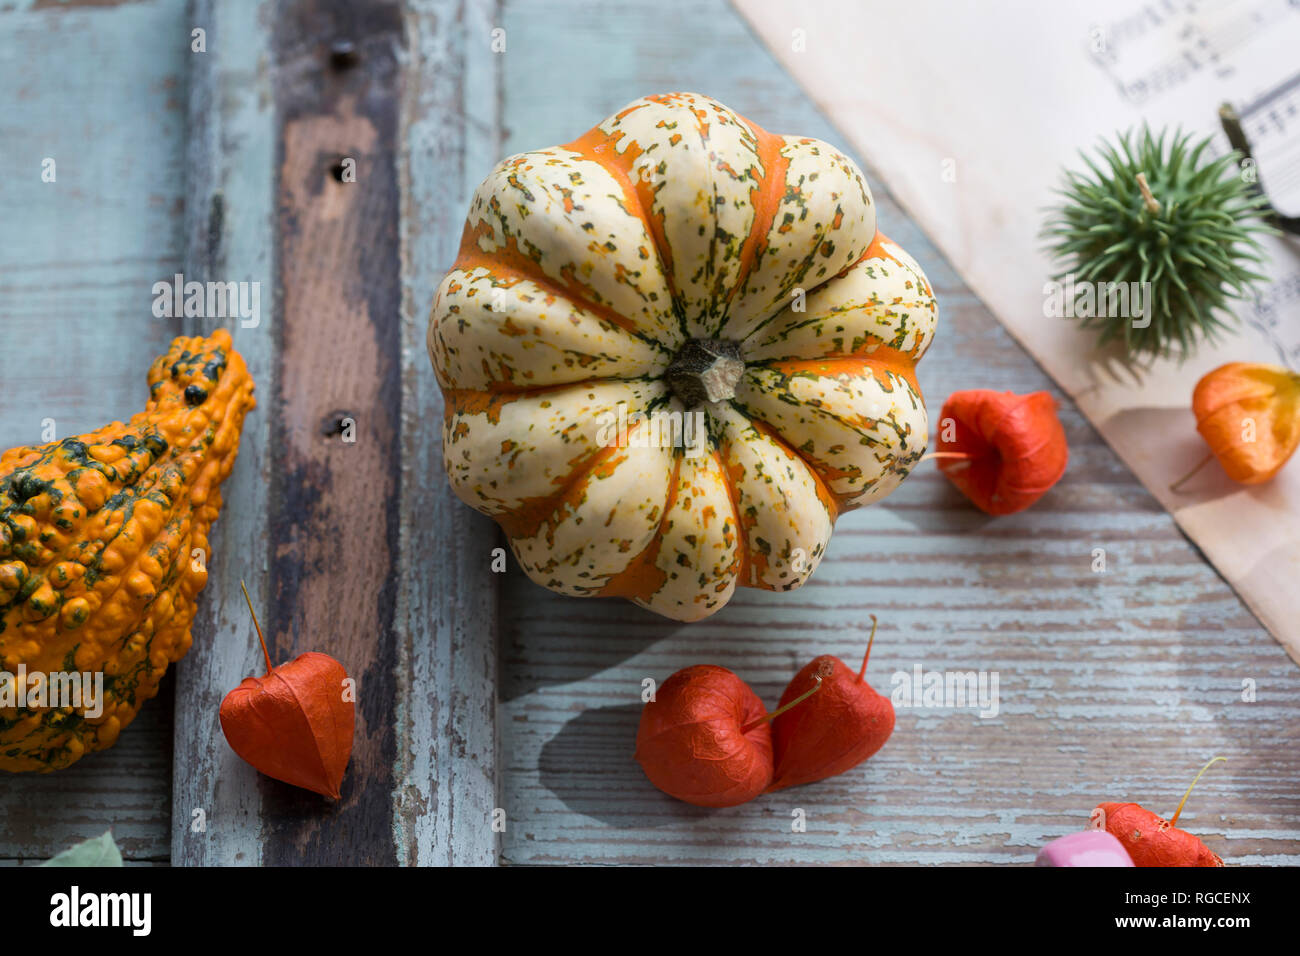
[334, 502]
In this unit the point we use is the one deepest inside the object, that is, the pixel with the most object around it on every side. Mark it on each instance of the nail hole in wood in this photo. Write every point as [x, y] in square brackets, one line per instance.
[344, 55]
[335, 422]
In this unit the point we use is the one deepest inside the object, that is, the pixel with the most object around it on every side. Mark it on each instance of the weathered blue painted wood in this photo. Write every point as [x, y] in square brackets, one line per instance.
[1112, 686]
[79, 255]
[445, 769]
[101, 92]
[447, 772]
[230, 207]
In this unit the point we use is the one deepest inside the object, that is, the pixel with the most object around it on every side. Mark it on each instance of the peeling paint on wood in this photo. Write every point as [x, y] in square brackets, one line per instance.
[346, 540]
[447, 608]
[216, 800]
[334, 502]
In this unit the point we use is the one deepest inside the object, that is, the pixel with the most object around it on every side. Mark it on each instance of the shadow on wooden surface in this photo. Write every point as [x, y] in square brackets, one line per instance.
[580, 635]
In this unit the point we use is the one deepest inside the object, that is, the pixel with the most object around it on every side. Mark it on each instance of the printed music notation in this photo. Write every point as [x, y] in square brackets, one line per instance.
[1271, 122]
[1168, 43]
[1275, 312]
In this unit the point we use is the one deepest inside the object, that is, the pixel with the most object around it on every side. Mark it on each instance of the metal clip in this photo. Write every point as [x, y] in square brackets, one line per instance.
[1231, 124]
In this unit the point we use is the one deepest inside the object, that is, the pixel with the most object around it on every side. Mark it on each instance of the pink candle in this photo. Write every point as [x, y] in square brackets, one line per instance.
[1085, 848]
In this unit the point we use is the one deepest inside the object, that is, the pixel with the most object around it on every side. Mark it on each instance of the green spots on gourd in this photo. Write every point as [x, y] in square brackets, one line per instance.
[75, 614]
[64, 720]
[31, 584]
[212, 371]
[22, 487]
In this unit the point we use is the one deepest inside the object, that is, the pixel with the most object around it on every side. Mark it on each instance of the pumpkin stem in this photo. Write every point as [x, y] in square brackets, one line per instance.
[265, 653]
[1173, 821]
[1203, 462]
[1153, 206]
[781, 710]
[705, 370]
[870, 641]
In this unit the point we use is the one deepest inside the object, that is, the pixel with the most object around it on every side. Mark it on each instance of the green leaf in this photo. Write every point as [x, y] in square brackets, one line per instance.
[97, 851]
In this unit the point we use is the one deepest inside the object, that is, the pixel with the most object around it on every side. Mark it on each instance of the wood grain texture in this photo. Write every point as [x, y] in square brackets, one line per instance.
[446, 786]
[1113, 686]
[345, 532]
[230, 236]
[78, 259]
[334, 503]
[344, 545]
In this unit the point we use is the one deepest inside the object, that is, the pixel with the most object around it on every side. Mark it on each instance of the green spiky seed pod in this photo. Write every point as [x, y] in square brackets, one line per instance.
[1159, 215]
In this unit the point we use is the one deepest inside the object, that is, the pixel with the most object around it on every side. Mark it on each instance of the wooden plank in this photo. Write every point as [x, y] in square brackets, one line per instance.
[229, 231]
[1113, 686]
[334, 519]
[321, 545]
[78, 259]
[447, 608]
[345, 543]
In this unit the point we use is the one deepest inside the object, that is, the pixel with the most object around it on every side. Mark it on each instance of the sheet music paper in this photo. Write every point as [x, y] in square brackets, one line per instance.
[1244, 45]
[970, 110]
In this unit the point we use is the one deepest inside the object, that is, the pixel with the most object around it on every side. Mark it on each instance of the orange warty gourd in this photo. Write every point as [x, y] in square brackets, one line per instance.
[104, 550]
[673, 352]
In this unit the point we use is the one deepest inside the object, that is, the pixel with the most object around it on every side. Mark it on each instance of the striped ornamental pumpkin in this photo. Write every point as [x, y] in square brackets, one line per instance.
[673, 351]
